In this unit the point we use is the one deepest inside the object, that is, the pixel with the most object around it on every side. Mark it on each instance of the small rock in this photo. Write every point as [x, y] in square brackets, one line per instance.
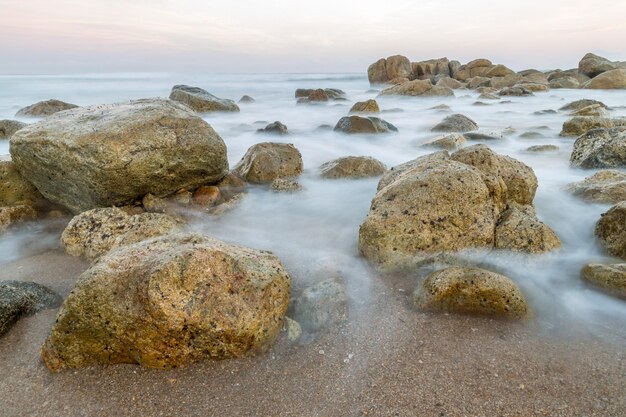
[207, 196]
[352, 167]
[45, 108]
[519, 230]
[285, 185]
[451, 142]
[294, 330]
[600, 148]
[276, 128]
[369, 106]
[542, 148]
[18, 299]
[358, 124]
[455, 123]
[246, 99]
[517, 91]
[579, 104]
[201, 100]
[610, 278]
[264, 162]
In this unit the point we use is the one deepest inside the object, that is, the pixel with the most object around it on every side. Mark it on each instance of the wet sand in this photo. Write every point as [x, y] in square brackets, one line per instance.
[387, 360]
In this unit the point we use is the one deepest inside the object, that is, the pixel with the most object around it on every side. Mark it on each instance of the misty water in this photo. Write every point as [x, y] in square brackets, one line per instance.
[319, 226]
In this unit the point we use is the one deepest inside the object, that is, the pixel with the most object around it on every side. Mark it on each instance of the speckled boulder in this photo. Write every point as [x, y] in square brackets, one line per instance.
[611, 230]
[95, 232]
[352, 167]
[264, 162]
[201, 100]
[455, 123]
[519, 230]
[9, 127]
[14, 188]
[579, 125]
[170, 301]
[358, 124]
[470, 291]
[19, 298]
[368, 106]
[113, 154]
[45, 108]
[450, 142]
[600, 148]
[610, 278]
[12, 215]
[607, 186]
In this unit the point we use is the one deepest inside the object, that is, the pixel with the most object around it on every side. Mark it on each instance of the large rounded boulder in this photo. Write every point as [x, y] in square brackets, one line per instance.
[470, 291]
[107, 155]
[600, 148]
[358, 124]
[610, 80]
[170, 301]
[455, 123]
[611, 230]
[267, 161]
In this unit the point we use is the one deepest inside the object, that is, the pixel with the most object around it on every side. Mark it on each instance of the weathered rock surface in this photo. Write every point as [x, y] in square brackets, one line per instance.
[321, 305]
[450, 142]
[306, 95]
[542, 148]
[368, 106]
[610, 80]
[276, 128]
[201, 100]
[564, 82]
[417, 88]
[455, 123]
[168, 302]
[579, 125]
[96, 232]
[580, 104]
[9, 127]
[470, 291]
[450, 83]
[519, 230]
[610, 278]
[358, 124]
[12, 215]
[516, 90]
[611, 230]
[384, 70]
[264, 162]
[18, 299]
[107, 155]
[14, 188]
[597, 110]
[285, 185]
[45, 108]
[592, 65]
[600, 148]
[352, 167]
[606, 186]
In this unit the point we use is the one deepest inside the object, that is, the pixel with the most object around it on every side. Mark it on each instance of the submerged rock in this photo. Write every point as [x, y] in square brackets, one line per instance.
[597, 110]
[610, 278]
[611, 230]
[276, 128]
[96, 232]
[81, 158]
[580, 104]
[606, 186]
[470, 291]
[517, 91]
[358, 124]
[9, 127]
[207, 196]
[264, 162]
[352, 167]
[19, 298]
[170, 301]
[368, 106]
[600, 148]
[201, 100]
[321, 305]
[45, 108]
[455, 123]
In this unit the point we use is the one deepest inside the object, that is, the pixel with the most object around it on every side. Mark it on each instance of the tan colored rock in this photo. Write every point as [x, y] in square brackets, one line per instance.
[417, 88]
[398, 66]
[535, 77]
[610, 278]
[580, 104]
[45, 108]
[505, 81]
[455, 123]
[368, 106]
[168, 302]
[285, 185]
[352, 167]
[12, 215]
[318, 95]
[470, 291]
[611, 230]
[515, 91]
[607, 187]
[201, 100]
[476, 82]
[14, 188]
[579, 125]
[499, 71]
[207, 196]
[564, 82]
[600, 148]
[230, 186]
[533, 87]
[377, 72]
[358, 124]
[450, 142]
[264, 162]
[9, 127]
[96, 232]
[597, 110]
[610, 80]
[448, 82]
[593, 65]
[542, 148]
[431, 68]
[519, 230]
[113, 154]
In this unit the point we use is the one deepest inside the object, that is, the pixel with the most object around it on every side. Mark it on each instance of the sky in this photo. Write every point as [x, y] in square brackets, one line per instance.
[280, 36]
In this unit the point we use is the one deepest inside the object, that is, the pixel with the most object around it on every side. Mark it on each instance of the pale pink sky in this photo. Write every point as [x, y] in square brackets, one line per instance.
[244, 36]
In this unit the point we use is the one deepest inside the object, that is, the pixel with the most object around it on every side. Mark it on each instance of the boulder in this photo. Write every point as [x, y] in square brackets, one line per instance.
[18, 299]
[610, 80]
[611, 230]
[519, 230]
[358, 124]
[470, 291]
[12, 215]
[596, 110]
[455, 123]
[264, 162]
[499, 71]
[605, 187]
[580, 104]
[451, 142]
[516, 91]
[113, 154]
[276, 128]
[170, 301]
[505, 81]
[319, 94]
[201, 100]
[14, 188]
[600, 148]
[207, 196]
[579, 125]
[448, 82]
[45, 108]
[610, 278]
[533, 87]
[9, 127]
[377, 72]
[429, 69]
[383, 70]
[352, 167]
[417, 88]
[592, 65]
[320, 306]
[533, 78]
[564, 82]
[368, 106]
[96, 232]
